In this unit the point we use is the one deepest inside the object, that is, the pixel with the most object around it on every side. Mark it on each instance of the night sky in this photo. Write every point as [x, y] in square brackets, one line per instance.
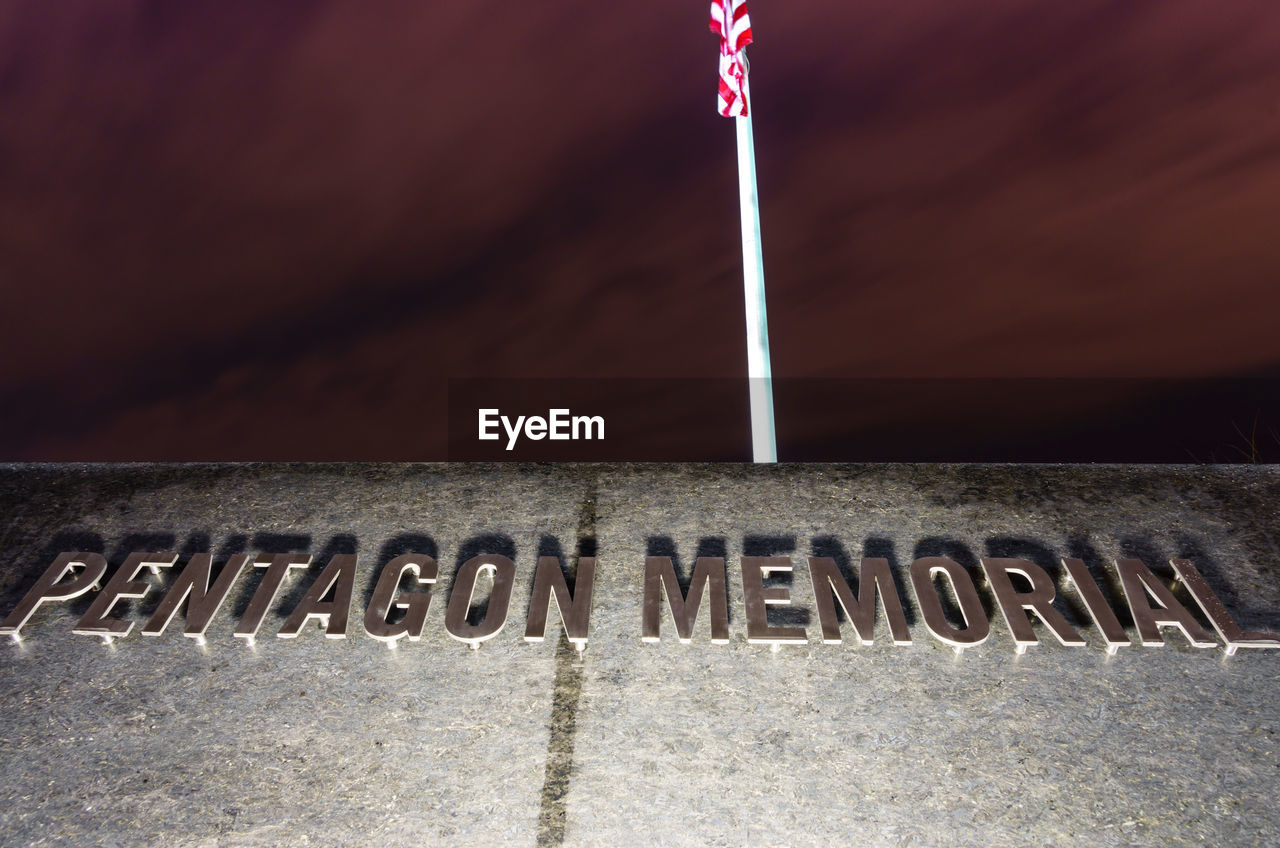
[276, 230]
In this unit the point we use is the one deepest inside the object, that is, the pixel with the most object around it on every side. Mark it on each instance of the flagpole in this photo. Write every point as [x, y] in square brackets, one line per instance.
[764, 447]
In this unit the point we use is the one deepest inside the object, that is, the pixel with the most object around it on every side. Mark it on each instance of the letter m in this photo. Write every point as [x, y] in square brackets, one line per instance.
[708, 572]
[874, 578]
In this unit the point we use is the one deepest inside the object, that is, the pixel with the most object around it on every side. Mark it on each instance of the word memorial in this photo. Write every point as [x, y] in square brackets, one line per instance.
[937, 582]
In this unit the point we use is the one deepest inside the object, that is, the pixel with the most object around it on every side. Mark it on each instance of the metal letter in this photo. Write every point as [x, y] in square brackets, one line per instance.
[464, 586]
[340, 576]
[47, 588]
[757, 600]
[278, 566]
[1103, 616]
[121, 585]
[1015, 605]
[1139, 582]
[574, 609]
[415, 604]
[1217, 614]
[977, 628]
[204, 602]
[708, 573]
[874, 577]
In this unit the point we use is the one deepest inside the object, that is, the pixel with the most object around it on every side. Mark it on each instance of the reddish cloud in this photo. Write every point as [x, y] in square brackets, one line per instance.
[274, 231]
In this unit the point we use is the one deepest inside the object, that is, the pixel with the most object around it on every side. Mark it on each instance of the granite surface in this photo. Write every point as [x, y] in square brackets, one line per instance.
[315, 741]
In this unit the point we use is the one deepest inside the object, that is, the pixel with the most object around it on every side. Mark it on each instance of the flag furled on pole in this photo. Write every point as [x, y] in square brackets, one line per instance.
[730, 21]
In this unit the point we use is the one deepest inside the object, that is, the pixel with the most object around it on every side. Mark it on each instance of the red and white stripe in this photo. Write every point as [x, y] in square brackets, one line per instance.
[738, 35]
[730, 21]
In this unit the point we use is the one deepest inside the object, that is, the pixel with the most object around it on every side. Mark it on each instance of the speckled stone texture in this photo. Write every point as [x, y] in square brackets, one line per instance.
[158, 741]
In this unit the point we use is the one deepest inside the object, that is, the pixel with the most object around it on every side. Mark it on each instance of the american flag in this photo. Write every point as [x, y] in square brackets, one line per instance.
[729, 21]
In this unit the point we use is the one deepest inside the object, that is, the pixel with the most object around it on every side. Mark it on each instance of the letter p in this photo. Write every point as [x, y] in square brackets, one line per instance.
[50, 588]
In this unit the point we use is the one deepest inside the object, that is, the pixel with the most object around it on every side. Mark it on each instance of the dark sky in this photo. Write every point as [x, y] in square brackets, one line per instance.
[274, 230]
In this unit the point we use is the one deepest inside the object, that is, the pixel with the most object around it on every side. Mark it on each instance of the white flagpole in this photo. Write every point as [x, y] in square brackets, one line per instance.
[764, 447]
